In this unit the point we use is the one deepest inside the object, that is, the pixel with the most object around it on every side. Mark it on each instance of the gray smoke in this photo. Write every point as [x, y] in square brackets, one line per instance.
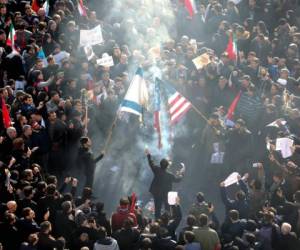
[146, 24]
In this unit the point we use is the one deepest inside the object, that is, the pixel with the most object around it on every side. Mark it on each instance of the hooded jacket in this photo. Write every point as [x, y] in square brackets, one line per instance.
[106, 244]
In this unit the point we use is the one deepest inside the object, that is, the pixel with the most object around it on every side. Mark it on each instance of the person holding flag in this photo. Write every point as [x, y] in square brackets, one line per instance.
[87, 161]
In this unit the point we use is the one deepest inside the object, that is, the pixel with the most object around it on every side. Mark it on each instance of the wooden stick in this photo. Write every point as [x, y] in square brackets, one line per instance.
[204, 118]
[109, 136]
[86, 119]
[199, 112]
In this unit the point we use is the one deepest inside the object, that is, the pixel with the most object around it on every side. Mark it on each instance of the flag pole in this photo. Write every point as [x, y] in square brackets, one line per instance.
[199, 113]
[204, 117]
[110, 132]
[195, 108]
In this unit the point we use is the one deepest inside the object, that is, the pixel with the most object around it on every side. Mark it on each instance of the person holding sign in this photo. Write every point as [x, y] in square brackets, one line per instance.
[162, 183]
[241, 201]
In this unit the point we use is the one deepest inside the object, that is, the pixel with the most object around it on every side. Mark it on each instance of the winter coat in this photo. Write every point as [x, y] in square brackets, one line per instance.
[120, 216]
[106, 244]
[162, 181]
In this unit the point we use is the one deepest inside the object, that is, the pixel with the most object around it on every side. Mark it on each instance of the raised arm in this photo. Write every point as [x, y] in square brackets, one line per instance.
[176, 216]
[150, 161]
[244, 186]
[227, 202]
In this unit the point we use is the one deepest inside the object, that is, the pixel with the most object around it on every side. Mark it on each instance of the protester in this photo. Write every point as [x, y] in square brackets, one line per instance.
[161, 184]
[235, 63]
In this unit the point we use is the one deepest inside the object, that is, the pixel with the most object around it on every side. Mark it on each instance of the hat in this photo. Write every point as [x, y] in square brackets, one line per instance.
[285, 69]
[246, 77]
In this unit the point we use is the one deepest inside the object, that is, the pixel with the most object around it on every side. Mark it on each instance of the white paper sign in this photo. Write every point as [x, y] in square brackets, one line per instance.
[231, 179]
[217, 158]
[282, 81]
[172, 196]
[88, 50]
[284, 145]
[277, 123]
[201, 61]
[106, 61]
[91, 37]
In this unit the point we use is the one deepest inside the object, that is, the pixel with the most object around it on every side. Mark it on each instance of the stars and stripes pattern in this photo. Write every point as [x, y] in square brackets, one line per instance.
[178, 105]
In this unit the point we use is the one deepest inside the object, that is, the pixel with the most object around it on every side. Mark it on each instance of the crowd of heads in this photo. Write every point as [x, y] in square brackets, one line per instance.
[56, 95]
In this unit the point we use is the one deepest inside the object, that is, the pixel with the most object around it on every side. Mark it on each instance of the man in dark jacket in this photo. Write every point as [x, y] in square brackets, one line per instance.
[233, 227]
[161, 183]
[128, 237]
[64, 223]
[27, 224]
[46, 241]
[241, 202]
[85, 158]
[288, 239]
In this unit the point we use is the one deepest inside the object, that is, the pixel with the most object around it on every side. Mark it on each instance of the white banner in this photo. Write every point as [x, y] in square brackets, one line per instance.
[106, 61]
[91, 37]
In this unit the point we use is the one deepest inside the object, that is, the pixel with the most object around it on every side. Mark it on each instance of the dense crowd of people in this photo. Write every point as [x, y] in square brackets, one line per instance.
[54, 97]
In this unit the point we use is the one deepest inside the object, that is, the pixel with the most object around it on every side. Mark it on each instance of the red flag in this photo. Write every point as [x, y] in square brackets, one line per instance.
[231, 49]
[190, 6]
[81, 8]
[133, 201]
[5, 114]
[232, 106]
[35, 6]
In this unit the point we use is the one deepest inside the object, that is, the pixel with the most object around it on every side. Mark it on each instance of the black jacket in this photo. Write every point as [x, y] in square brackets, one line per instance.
[241, 206]
[86, 159]
[162, 181]
[47, 242]
[27, 227]
[128, 239]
